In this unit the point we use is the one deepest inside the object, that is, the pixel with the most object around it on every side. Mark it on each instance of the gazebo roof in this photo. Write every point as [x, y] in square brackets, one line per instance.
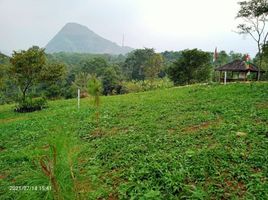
[238, 66]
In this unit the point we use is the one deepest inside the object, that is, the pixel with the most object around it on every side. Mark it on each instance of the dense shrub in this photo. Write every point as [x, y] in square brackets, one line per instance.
[146, 85]
[31, 105]
[194, 66]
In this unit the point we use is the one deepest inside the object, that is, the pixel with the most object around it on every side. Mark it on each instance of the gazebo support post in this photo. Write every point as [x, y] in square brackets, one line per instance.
[225, 77]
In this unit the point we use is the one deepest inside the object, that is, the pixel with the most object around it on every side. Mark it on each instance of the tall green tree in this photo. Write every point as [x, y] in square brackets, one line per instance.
[110, 80]
[53, 80]
[235, 56]
[254, 16]
[52, 72]
[95, 66]
[2, 75]
[265, 61]
[29, 68]
[193, 66]
[153, 66]
[222, 58]
[134, 66]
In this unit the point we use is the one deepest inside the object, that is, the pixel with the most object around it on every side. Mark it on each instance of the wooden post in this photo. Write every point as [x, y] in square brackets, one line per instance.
[78, 98]
[225, 77]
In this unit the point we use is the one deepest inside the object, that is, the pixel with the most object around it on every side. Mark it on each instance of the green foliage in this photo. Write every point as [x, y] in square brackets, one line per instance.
[53, 72]
[153, 66]
[110, 74]
[30, 69]
[146, 85]
[135, 63]
[57, 164]
[81, 82]
[192, 142]
[2, 75]
[95, 89]
[194, 66]
[264, 66]
[53, 81]
[3, 59]
[27, 68]
[95, 66]
[4, 66]
[222, 59]
[8, 91]
[111, 81]
[235, 56]
[31, 104]
[78, 60]
[171, 56]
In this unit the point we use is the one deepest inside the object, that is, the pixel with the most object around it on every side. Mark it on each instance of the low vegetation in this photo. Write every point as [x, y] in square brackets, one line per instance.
[146, 85]
[192, 142]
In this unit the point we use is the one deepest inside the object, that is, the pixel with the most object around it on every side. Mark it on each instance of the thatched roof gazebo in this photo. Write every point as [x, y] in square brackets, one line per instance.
[239, 70]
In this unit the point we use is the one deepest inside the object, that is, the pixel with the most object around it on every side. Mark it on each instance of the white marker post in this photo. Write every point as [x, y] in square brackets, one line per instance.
[225, 77]
[78, 98]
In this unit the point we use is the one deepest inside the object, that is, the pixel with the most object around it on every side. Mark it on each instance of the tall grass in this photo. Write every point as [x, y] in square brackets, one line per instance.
[56, 165]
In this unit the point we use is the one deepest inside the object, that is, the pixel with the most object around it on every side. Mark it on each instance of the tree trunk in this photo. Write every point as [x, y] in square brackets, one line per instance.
[25, 90]
[260, 62]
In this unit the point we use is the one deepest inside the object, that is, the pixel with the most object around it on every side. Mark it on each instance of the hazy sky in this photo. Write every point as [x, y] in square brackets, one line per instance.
[159, 24]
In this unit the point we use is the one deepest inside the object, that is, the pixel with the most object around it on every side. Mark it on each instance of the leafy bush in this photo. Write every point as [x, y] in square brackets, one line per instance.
[31, 104]
[146, 85]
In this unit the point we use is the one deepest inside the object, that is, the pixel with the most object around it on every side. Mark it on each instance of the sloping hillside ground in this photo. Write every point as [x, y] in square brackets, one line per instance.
[197, 142]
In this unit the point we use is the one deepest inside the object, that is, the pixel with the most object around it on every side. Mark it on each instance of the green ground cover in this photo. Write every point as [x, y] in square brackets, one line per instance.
[196, 142]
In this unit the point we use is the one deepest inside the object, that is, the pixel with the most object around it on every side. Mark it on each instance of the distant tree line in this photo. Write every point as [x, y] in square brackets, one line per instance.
[32, 73]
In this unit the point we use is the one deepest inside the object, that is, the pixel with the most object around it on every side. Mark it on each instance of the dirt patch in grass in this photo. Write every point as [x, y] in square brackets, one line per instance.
[238, 187]
[99, 132]
[256, 170]
[202, 126]
[9, 120]
[83, 186]
[262, 105]
[2, 148]
[2, 176]
[171, 130]
[112, 197]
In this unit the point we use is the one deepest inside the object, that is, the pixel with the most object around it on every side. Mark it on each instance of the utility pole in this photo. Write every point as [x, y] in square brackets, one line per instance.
[123, 40]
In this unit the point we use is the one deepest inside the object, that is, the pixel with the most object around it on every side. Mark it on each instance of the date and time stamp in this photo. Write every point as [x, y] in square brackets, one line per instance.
[29, 188]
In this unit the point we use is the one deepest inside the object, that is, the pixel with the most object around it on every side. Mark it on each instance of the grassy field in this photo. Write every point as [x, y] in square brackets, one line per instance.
[197, 142]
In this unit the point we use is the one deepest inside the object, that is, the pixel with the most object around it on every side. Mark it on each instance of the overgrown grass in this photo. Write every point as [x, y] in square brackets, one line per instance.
[197, 142]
